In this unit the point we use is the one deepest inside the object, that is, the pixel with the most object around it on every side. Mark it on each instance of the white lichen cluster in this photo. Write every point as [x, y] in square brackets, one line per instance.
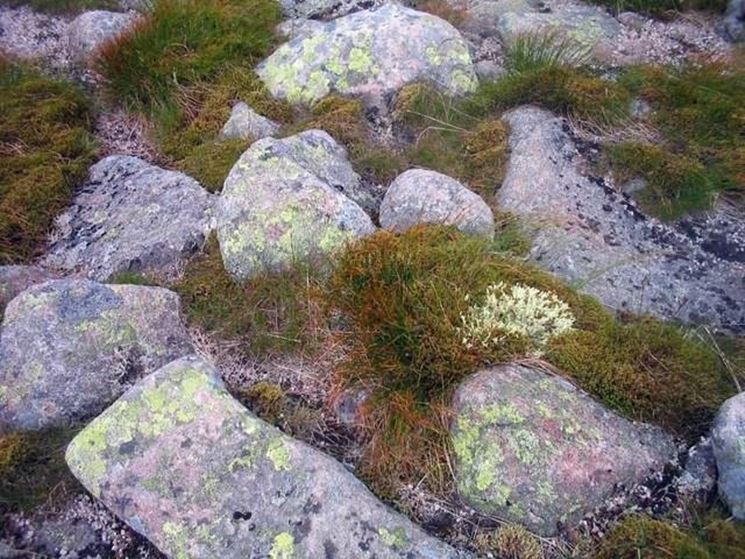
[515, 310]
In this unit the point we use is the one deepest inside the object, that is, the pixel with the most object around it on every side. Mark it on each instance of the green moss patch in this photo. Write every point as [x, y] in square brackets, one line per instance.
[699, 112]
[45, 150]
[640, 537]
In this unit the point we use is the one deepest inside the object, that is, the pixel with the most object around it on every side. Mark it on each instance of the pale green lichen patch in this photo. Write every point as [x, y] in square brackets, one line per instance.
[279, 454]
[283, 546]
[395, 538]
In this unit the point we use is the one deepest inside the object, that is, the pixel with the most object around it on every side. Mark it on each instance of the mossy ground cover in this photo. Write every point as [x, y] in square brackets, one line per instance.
[184, 66]
[404, 297]
[710, 536]
[45, 151]
[33, 469]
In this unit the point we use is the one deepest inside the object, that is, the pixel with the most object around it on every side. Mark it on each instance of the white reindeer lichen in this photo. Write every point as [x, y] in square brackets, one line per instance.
[515, 309]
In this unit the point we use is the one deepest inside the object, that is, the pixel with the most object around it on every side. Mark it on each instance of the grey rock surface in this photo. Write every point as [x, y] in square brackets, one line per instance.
[325, 9]
[90, 31]
[246, 124]
[372, 54]
[131, 216]
[299, 27]
[698, 479]
[734, 20]
[184, 464]
[534, 449]
[286, 200]
[593, 236]
[15, 279]
[421, 196]
[69, 348]
[728, 442]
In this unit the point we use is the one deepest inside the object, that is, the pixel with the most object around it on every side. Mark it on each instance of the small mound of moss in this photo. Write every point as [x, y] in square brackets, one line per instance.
[269, 313]
[640, 537]
[509, 541]
[32, 467]
[45, 151]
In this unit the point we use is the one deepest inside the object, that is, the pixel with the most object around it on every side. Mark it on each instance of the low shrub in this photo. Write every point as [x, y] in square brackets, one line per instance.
[33, 468]
[45, 150]
[269, 313]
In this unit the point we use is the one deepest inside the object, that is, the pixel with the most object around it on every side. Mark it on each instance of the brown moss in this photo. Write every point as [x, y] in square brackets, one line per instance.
[640, 537]
[45, 151]
[509, 541]
[265, 399]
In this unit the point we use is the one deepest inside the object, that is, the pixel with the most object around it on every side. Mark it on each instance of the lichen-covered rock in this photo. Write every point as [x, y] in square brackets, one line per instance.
[586, 26]
[734, 20]
[131, 216]
[420, 196]
[187, 466]
[88, 32]
[533, 449]
[728, 442]
[15, 279]
[68, 348]
[327, 9]
[593, 236]
[299, 27]
[284, 200]
[246, 124]
[371, 54]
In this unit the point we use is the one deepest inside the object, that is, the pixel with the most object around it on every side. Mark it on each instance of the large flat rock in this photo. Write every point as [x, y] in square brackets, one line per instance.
[187, 466]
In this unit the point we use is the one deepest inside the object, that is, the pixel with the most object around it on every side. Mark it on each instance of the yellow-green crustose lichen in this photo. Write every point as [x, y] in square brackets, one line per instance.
[283, 546]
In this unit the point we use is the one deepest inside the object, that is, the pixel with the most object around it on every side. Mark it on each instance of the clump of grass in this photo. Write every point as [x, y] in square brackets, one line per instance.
[269, 313]
[185, 66]
[552, 73]
[32, 467]
[64, 6]
[185, 42]
[403, 296]
[699, 113]
[442, 9]
[45, 150]
[449, 140]
[711, 537]
[647, 370]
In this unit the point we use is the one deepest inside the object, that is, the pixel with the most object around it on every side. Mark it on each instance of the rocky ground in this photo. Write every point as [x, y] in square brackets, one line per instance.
[169, 462]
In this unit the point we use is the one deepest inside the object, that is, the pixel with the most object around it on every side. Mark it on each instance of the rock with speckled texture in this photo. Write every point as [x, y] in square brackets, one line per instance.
[246, 124]
[420, 196]
[533, 449]
[16, 279]
[591, 235]
[90, 31]
[186, 465]
[284, 201]
[327, 9]
[372, 54]
[69, 348]
[728, 443]
[130, 216]
[734, 20]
